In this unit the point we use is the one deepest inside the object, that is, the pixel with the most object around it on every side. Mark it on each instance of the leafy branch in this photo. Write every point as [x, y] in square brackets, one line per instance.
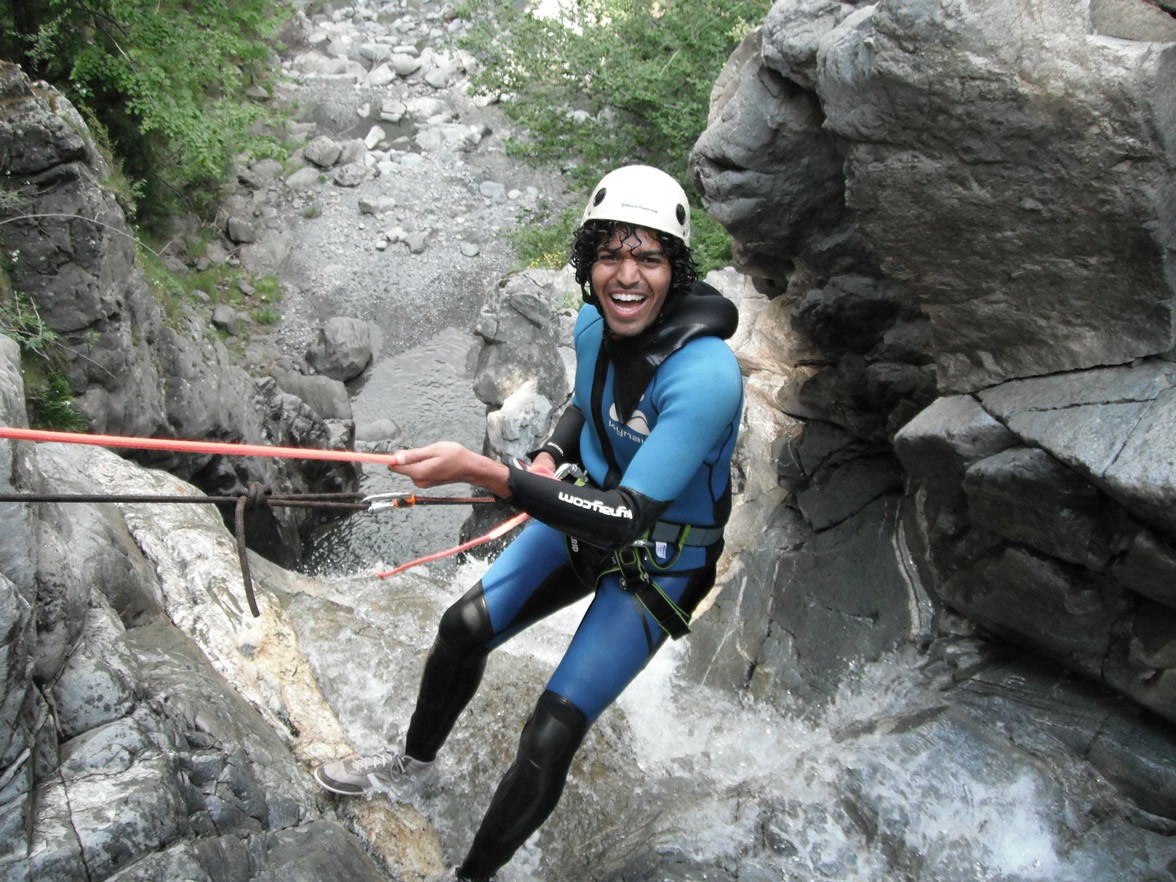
[604, 83]
[167, 79]
[20, 320]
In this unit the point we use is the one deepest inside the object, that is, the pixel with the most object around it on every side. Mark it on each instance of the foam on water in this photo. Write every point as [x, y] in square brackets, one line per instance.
[950, 823]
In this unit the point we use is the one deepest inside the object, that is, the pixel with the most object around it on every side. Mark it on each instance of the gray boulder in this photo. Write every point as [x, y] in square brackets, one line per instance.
[323, 151]
[326, 397]
[517, 328]
[1033, 243]
[1115, 426]
[343, 348]
[907, 177]
[266, 254]
[520, 425]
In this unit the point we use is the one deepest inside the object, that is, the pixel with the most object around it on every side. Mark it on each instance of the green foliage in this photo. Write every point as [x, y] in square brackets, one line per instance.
[710, 243]
[167, 79]
[51, 406]
[169, 292]
[543, 239]
[20, 320]
[268, 288]
[220, 284]
[126, 192]
[610, 83]
[48, 397]
[10, 202]
[264, 315]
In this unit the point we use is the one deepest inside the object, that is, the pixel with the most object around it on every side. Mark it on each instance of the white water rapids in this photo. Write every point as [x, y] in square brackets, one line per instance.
[680, 781]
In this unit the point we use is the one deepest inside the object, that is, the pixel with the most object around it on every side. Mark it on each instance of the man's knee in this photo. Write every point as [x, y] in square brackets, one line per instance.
[553, 733]
[466, 623]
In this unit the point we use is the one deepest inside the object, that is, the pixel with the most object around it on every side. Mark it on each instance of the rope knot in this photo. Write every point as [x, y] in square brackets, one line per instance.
[257, 494]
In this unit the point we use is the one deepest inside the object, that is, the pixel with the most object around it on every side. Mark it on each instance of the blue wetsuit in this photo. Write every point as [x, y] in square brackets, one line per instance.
[653, 421]
[674, 454]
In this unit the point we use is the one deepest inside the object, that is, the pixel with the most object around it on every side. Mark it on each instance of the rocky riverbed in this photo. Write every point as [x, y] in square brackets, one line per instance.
[402, 196]
[394, 209]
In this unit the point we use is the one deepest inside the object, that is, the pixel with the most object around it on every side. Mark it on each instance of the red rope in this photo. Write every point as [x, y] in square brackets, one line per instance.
[176, 445]
[498, 532]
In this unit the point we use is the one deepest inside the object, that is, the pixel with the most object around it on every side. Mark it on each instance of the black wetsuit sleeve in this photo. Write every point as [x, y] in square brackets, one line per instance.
[609, 519]
[564, 442]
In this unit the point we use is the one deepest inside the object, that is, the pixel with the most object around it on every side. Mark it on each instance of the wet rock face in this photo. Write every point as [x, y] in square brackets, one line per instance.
[129, 751]
[70, 251]
[958, 223]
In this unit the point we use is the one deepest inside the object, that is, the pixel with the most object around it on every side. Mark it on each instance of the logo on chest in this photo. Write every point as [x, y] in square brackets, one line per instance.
[637, 429]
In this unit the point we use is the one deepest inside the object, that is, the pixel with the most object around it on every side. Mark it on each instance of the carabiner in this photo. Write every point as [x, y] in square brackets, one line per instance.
[384, 501]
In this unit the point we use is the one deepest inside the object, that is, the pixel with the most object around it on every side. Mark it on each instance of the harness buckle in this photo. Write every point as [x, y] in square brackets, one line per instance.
[631, 567]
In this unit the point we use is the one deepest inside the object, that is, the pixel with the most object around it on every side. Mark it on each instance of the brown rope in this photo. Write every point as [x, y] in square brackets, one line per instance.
[254, 497]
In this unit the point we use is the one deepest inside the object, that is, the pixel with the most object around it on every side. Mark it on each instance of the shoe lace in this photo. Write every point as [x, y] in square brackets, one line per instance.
[377, 762]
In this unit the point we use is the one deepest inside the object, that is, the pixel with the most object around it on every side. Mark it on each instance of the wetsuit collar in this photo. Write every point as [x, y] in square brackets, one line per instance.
[700, 312]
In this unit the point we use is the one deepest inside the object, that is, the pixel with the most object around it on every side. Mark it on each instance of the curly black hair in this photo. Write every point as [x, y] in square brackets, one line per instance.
[589, 238]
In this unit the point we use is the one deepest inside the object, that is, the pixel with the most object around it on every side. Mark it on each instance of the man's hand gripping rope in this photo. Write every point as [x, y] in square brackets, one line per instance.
[447, 462]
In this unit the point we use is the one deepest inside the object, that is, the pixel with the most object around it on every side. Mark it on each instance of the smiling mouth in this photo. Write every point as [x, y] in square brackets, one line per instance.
[627, 301]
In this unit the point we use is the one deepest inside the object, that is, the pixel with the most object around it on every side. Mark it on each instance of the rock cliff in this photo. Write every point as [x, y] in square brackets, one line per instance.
[69, 251]
[960, 225]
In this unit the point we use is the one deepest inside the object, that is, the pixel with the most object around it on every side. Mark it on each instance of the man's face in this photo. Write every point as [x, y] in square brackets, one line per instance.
[630, 279]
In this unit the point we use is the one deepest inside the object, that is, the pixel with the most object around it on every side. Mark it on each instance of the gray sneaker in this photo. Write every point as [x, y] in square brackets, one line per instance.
[395, 774]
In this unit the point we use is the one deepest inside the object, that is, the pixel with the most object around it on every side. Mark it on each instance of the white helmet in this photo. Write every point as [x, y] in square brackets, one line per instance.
[643, 196]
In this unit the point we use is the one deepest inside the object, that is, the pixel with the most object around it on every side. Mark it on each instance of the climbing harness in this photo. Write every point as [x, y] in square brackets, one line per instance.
[633, 565]
[634, 562]
[255, 494]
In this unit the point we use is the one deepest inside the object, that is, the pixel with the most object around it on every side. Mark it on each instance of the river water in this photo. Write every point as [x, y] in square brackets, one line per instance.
[684, 782]
[427, 391]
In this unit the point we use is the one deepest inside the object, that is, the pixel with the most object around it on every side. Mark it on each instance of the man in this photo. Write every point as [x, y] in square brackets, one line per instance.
[652, 422]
